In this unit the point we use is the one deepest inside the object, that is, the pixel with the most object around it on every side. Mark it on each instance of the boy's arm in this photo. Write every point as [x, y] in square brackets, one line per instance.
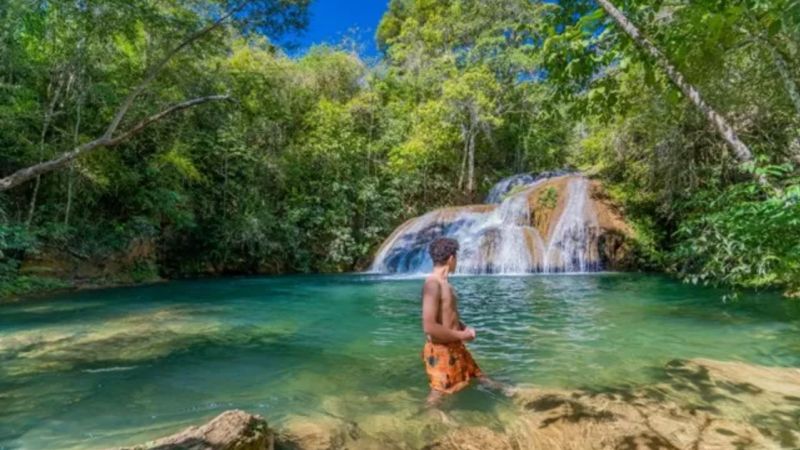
[431, 298]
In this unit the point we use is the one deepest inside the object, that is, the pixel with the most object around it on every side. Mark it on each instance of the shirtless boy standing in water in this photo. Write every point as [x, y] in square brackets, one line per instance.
[448, 363]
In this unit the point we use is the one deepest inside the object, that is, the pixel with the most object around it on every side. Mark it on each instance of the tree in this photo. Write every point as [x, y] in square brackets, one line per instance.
[322, 155]
[230, 10]
[472, 98]
[717, 120]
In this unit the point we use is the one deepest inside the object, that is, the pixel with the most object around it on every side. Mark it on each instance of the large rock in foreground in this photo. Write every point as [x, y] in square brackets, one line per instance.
[231, 430]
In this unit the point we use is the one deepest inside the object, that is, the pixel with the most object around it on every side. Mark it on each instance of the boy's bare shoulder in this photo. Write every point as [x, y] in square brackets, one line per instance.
[431, 280]
[432, 285]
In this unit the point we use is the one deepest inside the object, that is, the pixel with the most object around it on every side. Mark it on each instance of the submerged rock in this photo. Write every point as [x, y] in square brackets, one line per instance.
[582, 420]
[231, 430]
[699, 404]
[119, 341]
[320, 433]
[472, 438]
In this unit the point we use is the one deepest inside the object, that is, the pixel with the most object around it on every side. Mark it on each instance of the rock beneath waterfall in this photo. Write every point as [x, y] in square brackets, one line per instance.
[231, 430]
[508, 185]
[599, 233]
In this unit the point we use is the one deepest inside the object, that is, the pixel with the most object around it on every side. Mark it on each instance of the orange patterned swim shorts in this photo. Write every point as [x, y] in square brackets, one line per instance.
[450, 367]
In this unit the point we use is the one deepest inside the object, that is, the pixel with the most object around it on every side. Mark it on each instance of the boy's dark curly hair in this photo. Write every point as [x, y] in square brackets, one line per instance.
[441, 249]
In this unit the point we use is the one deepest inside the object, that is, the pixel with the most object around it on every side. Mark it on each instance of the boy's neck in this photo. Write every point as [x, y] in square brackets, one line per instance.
[441, 271]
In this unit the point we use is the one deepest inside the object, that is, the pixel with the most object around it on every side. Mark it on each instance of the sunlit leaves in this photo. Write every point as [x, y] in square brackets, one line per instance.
[180, 162]
[744, 238]
[132, 47]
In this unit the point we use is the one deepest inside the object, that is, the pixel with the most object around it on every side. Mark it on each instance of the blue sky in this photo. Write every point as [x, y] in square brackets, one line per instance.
[331, 20]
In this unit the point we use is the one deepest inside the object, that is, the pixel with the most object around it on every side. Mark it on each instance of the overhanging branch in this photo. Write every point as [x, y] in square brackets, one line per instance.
[27, 173]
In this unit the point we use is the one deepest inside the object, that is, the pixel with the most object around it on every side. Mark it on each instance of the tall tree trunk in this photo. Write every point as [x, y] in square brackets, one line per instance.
[80, 97]
[471, 165]
[71, 173]
[794, 151]
[465, 134]
[794, 96]
[785, 74]
[48, 115]
[727, 132]
[70, 184]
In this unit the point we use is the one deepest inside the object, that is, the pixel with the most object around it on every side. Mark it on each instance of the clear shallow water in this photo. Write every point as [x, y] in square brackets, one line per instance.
[113, 367]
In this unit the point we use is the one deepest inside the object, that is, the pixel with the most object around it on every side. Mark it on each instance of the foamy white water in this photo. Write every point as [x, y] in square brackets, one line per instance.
[501, 239]
[575, 235]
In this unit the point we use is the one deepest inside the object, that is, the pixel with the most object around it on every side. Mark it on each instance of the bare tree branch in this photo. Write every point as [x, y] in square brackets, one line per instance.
[27, 173]
[108, 139]
[156, 117]
[155, 70]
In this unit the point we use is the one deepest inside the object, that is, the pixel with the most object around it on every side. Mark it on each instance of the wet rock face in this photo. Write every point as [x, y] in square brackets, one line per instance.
[506, 185]
[231, 430]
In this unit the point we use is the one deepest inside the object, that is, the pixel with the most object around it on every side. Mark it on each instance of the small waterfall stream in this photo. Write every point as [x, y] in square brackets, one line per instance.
[503, 238]
[573, 243]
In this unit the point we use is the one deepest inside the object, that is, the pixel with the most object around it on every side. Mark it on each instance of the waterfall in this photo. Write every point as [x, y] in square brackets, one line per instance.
[573, 241]
[502, 238]
[507, 184]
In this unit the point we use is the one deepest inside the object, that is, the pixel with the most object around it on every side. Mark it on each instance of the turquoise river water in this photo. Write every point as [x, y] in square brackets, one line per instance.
[112, 367]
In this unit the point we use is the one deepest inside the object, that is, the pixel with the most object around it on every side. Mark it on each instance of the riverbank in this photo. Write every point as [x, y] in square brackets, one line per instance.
[700, 404]
[52, 271]
[32, 287]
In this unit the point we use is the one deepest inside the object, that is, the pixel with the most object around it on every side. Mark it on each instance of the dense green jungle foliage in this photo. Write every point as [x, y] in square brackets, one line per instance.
[316, 158]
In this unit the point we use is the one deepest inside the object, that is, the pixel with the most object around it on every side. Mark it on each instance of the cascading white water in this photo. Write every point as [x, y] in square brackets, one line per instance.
[511, 249]
[499, 190]
[495, 240]
[500, 238]
[573, 242]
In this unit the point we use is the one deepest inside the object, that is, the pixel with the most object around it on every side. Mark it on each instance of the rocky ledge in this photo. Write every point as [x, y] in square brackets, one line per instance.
[231, 430]
[698, 404]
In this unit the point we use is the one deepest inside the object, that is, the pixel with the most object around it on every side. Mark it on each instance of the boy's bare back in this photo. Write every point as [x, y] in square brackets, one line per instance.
[446, 304]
